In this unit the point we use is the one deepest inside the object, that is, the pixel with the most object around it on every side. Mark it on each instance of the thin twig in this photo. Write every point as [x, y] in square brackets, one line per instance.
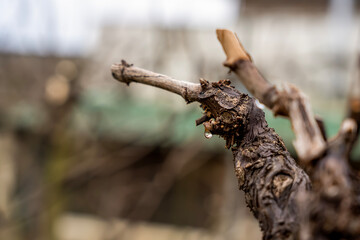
[126, 73]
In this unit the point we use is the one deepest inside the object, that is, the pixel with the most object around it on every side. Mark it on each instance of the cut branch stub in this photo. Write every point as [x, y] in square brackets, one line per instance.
[232, 47]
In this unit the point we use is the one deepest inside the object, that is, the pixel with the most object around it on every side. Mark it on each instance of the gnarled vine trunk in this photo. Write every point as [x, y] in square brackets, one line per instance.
[320, 202]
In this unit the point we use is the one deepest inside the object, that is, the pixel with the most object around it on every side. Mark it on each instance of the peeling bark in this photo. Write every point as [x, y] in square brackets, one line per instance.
[277, 190]
[290, 102]
[264, 168]
[330, 210]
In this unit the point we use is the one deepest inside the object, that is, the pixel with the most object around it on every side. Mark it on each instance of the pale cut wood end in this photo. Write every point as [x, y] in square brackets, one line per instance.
[232, 47]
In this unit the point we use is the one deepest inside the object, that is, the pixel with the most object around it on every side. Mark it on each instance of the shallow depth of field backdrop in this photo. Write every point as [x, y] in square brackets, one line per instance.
[83, 157]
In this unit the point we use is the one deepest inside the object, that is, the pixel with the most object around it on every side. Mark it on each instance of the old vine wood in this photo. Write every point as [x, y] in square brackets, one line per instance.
[320, 199]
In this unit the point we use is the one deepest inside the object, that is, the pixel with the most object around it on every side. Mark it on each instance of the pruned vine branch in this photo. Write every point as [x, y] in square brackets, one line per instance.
[325, 162]
[277, 190]
[265, 170]
[289, 102]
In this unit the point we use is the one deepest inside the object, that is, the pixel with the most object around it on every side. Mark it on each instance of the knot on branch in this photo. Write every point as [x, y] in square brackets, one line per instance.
[123, 76]
[118, 72]
[269, 176]
[229, 113]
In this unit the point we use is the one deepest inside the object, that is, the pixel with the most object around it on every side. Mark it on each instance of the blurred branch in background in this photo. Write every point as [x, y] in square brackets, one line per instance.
[164, 179]
[353, 108]
[7, 182]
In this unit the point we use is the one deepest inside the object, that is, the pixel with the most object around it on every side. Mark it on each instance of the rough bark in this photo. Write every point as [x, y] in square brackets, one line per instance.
[331, 209]
[265, 170]
[290, 102]
[277, 191]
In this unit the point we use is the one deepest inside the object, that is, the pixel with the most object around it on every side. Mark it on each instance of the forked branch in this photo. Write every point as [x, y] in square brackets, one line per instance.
[276, 190]
[289, 102]
[331, 209]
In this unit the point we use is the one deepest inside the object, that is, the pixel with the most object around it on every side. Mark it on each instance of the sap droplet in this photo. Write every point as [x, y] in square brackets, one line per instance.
[259, 105]
[208, 134]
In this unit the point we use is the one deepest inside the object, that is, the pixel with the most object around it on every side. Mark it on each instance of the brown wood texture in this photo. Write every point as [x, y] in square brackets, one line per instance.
[331, 210]
[290, 102]
[322, 202]
[265, 170]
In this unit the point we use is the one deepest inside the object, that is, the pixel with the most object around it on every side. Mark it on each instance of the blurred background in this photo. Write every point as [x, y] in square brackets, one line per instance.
[83, 157]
